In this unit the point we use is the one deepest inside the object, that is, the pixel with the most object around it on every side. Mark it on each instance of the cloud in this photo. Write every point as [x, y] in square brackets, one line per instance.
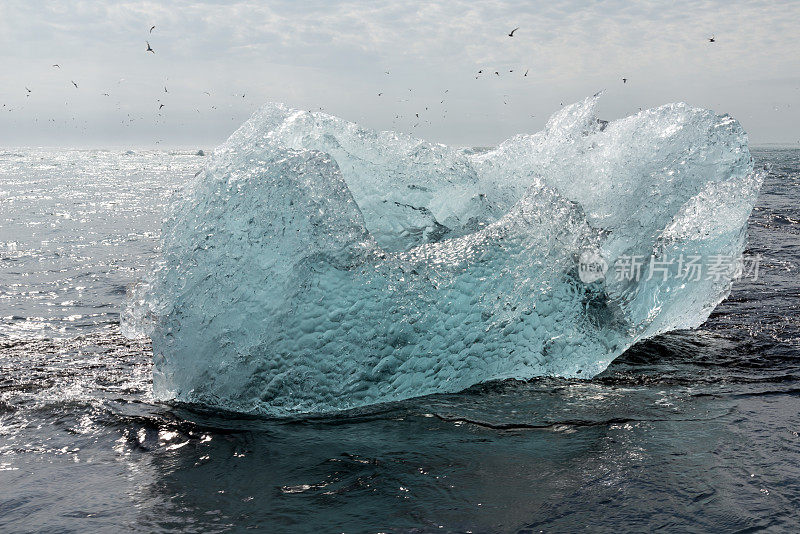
[334, 54]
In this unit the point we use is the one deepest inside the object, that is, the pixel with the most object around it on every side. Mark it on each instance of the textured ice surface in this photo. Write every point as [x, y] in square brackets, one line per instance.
[315, 265]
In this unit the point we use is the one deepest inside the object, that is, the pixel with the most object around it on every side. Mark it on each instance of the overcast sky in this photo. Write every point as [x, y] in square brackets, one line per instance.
[335, 55]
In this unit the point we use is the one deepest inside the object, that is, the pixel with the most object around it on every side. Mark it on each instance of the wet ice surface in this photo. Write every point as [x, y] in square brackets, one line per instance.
[315, 266]
[692, 431]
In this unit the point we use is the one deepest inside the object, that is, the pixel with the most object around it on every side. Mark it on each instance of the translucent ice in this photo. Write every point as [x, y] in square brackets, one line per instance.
[315, 265]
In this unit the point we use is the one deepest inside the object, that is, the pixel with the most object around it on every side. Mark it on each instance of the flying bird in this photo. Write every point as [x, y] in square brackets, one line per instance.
[526, 73]
[161, 106]
[152, 28]
[206, 93]
[497, 73]
[712, 40]
[75, 84]
[624, 80]
[379, 94]
[26, 88]
[149, 48]
[56, 65]
[511, 33]
[165, 89]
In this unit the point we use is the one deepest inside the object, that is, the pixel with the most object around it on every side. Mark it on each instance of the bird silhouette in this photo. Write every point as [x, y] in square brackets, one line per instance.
[624, 80]
[712, 40]
[161, 106]
[526, 73]
[511, 33]
[75, 84]
[165, 89]
[152, 28]
[56, 65]
[149, 48]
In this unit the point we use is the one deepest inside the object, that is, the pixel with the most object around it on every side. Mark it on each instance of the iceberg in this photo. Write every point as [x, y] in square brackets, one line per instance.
[315, 265]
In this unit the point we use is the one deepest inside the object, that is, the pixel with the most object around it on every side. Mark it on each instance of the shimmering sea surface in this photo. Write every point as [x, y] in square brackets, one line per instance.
[695, 431]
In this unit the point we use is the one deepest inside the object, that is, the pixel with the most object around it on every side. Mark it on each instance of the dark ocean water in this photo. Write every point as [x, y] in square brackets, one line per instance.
[693, 431]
